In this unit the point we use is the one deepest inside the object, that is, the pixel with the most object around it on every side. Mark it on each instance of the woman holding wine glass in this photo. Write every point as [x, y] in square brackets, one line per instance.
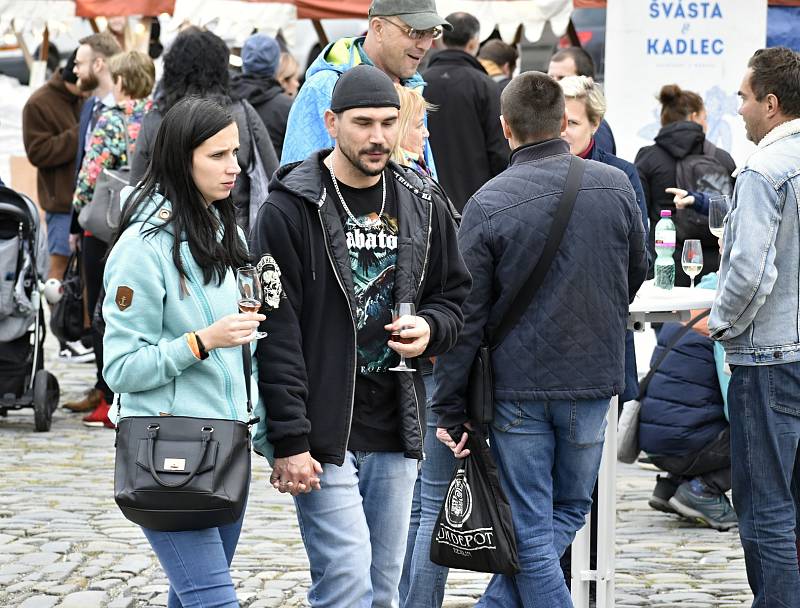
[173, 339]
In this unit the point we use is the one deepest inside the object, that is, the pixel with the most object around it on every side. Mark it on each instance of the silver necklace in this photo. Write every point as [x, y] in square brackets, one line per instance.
[347, 209]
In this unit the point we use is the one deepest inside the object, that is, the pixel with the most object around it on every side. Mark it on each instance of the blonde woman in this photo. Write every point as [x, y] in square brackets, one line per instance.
[288, 74]
[412, 131]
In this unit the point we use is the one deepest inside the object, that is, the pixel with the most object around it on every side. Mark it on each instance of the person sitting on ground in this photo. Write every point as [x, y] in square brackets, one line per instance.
[683, 426]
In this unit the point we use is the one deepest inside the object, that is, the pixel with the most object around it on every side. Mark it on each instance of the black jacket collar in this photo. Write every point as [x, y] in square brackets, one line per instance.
[455, 57]
[539, 150]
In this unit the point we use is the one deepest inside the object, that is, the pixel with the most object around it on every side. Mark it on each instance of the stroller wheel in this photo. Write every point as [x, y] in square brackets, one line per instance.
[45, 399]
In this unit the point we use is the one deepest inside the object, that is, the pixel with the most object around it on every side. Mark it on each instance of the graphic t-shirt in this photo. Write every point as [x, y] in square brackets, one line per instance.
[372, 243]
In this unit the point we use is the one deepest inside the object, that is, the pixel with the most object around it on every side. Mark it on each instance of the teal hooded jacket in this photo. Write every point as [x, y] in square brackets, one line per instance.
[148, 309]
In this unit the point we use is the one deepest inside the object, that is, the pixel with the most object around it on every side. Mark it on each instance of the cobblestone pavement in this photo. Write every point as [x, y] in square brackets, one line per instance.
[64, 543]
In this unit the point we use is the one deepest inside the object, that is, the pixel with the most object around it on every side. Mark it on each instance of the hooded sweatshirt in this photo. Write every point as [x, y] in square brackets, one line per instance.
[148, 310]
[306, 131]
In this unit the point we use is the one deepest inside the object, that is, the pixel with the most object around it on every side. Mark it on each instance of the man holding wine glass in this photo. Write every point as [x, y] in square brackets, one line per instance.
[365, 275]
[755, 317]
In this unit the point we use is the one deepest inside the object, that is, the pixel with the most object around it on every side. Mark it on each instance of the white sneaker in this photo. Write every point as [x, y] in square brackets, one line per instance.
[76, 352]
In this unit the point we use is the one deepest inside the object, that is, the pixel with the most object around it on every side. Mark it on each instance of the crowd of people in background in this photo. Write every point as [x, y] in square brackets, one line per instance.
[416, 165]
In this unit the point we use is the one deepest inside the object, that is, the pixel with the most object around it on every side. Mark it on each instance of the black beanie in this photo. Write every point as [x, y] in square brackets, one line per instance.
[66, 72]
[364, 86]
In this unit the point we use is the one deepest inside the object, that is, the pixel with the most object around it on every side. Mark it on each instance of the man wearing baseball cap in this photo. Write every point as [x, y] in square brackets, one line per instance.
[352, 236]
[400, 33]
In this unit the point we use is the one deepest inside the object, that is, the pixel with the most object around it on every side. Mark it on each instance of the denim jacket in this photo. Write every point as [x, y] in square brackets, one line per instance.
[756, 314]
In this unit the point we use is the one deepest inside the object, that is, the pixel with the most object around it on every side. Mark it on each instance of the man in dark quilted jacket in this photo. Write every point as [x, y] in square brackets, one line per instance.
[558, 368]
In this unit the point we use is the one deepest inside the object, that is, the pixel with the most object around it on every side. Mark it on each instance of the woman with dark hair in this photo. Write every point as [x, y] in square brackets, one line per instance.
[681, 139]
[173, 334]
[197, 64]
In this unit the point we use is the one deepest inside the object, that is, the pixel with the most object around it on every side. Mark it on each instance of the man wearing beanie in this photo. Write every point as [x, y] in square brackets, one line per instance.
[400, 33]
[346, 236]
[261, 55]
[50, 136]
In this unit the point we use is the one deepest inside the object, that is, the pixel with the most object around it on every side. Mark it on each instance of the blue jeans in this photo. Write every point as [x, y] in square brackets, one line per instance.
[355, 528]
[197, 564]
[548, 455]
[764, 404]
[422, 584]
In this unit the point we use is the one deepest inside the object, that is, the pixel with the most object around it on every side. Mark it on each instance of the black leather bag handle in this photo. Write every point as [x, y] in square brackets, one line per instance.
[528, 290]
[152, 435]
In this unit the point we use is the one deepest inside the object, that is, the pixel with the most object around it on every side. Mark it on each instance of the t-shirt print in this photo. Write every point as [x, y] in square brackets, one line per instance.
[373, 255]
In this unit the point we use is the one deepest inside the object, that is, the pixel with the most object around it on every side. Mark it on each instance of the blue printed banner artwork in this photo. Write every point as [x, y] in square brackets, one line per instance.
[703, 46]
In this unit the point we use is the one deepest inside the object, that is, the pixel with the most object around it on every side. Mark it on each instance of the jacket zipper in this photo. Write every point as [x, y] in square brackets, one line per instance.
[419, 286]
[427, 248]
[213, 354]
[352, 319]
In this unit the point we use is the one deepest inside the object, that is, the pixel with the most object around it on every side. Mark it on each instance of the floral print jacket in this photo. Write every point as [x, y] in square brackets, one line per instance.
[107, 145]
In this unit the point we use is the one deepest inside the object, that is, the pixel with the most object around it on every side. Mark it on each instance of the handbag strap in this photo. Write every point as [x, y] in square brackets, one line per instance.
[670, 345]
[251, 137]
[528, 290]
[247, 359]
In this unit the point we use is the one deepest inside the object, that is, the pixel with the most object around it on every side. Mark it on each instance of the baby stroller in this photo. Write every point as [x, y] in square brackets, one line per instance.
[23, 263]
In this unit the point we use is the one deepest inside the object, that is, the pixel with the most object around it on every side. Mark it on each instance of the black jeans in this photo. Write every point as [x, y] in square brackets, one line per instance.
[712, 464]
[94, 253]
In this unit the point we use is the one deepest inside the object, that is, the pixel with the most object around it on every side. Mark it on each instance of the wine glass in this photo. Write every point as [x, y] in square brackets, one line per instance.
[250, 294]
[718, 207]
[402, 310]
[692, 258]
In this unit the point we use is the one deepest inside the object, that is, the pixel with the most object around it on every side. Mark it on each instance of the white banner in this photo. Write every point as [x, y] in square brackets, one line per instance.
[703, 46]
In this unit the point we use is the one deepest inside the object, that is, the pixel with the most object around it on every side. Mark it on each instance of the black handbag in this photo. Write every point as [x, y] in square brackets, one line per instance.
[474, 530]
[176, 473]
[480, 384]
[66, 319]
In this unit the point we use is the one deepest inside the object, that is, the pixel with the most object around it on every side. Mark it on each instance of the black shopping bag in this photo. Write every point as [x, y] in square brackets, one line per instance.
[474, 530]
[66, 318]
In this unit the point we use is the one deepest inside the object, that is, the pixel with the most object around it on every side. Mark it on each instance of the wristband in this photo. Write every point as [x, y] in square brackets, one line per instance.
[201, 347]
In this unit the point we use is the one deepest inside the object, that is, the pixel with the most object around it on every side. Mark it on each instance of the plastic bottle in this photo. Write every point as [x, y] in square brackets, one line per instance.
[665, 247]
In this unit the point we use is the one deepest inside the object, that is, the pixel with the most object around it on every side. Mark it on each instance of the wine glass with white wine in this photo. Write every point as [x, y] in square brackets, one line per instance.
[718, 207]
[692, 258]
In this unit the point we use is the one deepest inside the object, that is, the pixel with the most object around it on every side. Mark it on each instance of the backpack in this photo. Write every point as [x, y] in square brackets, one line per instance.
[700, 173]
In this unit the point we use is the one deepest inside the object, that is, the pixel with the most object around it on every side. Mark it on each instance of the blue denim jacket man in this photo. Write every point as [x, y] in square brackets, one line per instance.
[756, 317]
[558, 368]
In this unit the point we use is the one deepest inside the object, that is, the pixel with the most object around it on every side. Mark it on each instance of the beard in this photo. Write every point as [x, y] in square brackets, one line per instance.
[355, 158]
[90, 83]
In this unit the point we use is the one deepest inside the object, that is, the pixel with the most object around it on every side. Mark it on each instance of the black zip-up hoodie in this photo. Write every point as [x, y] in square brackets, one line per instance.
[307, 364]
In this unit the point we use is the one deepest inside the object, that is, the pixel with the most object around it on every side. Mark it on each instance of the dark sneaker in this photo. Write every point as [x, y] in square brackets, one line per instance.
[664, 490]
[713, 511]
[76, 352]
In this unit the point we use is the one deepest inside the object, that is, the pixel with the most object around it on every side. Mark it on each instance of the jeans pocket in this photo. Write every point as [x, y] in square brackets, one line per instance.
[507, 415]
[784, 388]
[587, 422]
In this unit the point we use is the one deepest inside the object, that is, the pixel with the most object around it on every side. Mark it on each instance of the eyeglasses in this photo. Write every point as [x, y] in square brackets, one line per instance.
[434, 33]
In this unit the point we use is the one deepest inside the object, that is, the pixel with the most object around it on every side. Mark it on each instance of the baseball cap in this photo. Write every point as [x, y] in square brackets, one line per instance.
[418, 14]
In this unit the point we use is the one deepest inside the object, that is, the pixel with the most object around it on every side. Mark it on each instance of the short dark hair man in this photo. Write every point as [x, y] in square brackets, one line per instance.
[556, 371]
[400, 33]
[755, 318]
[351, 235]
[465, 130]
[575, 61]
